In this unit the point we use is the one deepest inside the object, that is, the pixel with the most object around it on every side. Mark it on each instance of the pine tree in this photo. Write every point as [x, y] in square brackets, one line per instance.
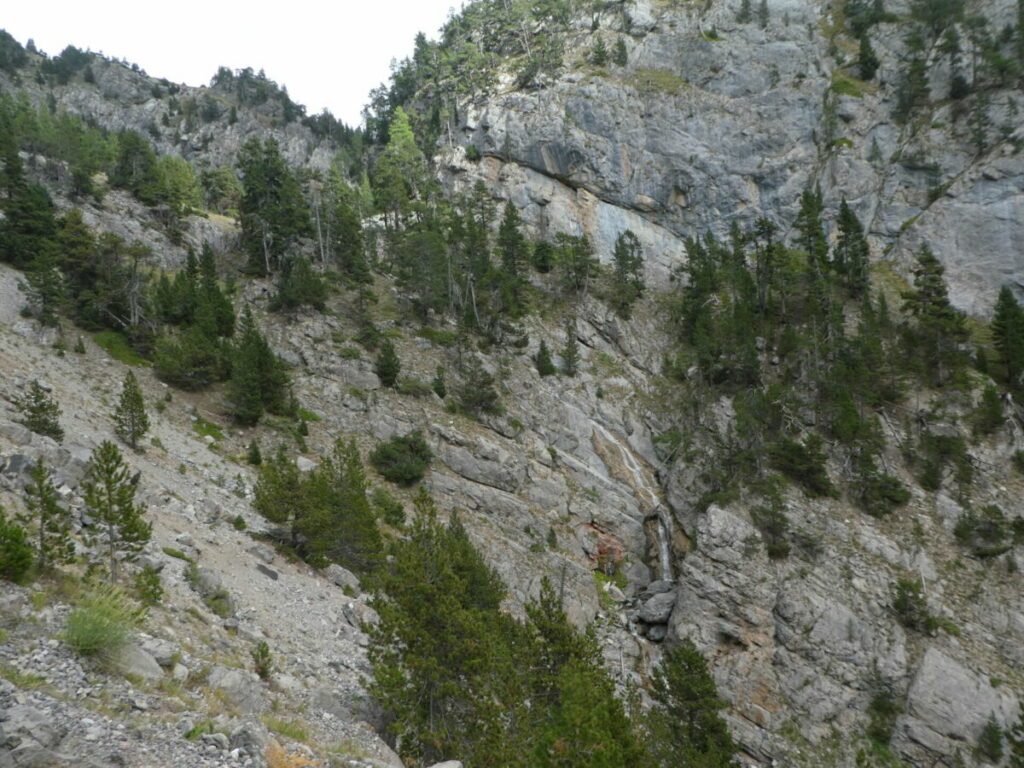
[938, 328]
[130, 419]
[684, 723]
[762, 14]
[40, 412]
[1008, 334]
[746, 13]
[850, 258]
[387, 366]
[109, 493]
[543, 360]
[599, 53]
[15, 551]
[513, 251]
[45, 287]
[571, 350]
[279, 495]
[621, 55]
[253, 455]
[627, 277]
[51, 521]
[259, 381]
[867, 59]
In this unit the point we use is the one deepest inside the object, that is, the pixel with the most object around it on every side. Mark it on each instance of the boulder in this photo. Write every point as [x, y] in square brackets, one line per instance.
[658, 608]
[241, 687]
[341, 577]
[135, 662]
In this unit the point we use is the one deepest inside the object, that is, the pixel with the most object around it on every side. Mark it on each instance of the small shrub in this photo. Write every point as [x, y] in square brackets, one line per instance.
[987, 534]
[473, 154]
[292, 729]
[438, 336]
[402, 459]
[803, 464]
[910, 606]
[102, 622]
[413, 387]
[116, 345]
[15, 551]
[262, 661]
[148, 588]
[774, 527]
[990, 742]
[349, 353]
[883, 711]
[879, 494]
[205, 428]
[40, 412]
[176, 553]
[438, 384]
[253, 455]
[390, 509]
[239, 523]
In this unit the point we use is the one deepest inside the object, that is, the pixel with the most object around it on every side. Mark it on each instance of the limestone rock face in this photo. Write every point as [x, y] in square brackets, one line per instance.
[697, 133]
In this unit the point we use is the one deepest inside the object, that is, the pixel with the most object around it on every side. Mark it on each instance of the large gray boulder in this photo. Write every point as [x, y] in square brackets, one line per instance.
[241, 687]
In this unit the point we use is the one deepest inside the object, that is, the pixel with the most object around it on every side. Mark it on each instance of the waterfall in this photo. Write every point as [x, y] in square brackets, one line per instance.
[664, 551]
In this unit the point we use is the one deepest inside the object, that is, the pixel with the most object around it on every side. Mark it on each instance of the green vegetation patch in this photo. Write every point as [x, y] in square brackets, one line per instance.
[116, 345]
[659, 80]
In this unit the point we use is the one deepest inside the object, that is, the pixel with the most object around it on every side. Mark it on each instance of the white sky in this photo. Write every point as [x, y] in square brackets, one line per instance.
[329, 54]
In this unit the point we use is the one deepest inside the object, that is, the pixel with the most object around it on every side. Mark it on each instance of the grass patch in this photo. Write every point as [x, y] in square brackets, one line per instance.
[307, 415]
[205, 428]
[117, 346]
[438, 336]
[659, 81]
[172, 552]
[846, 86]
[290, 729]
[22, 680]
[349, 353]
[102, 622]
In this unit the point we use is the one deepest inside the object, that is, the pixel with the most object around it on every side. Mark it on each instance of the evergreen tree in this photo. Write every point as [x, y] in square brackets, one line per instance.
[627, 277]
[812, 238]
[341, 526]
[214, 313]
[543, 360]
[571, 350]
[272, 210]
[259, 381]
[387, 366]
[576, 262]
[762, 14]
[514, 252]
[28, 228]
[620, 56]
[401, 171]
[253, 455]
[40, 412]
[851, 255]
[52, 522]
[938, 328]
[867, 59]
[130, 419]
[15, 551]
[45, 287]
[280, 497]
[109, 493]
[746, 13]
[684, 723]
[298, 286]
[1008, 334]
[476, 393]
[599, 53]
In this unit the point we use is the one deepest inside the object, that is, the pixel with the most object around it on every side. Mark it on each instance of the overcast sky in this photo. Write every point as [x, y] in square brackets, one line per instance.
[329, 54]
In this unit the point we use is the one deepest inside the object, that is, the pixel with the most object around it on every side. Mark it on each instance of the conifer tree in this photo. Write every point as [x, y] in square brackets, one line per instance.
[40, 412]
[571, 350]
[1008, 334]
[867, 59]
[544, 365]
[684, 723]
[850, 258]
[109, 493]
[762, 14]
[621, 55]
[45, 287]
[939, 328]
[15, 551]
[259, 381]
[599, 53]
[130, 419]
[279, 495]
[627, 276]
[51, 521]
[387, 366]
[745, 13]
[514, 252]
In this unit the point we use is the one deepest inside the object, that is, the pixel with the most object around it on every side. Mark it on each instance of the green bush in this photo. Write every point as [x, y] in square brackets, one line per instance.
[15, 551]
[987, 534]
[880, 494]
[402, 459]
[413, 387]
[390, 509]
[262, 661]
[803, 464]
[148, 588]
[774, 527]
[102, 622]
[910, 606]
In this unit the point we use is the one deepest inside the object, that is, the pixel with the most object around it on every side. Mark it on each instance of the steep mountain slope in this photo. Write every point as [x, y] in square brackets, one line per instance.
[709, 122]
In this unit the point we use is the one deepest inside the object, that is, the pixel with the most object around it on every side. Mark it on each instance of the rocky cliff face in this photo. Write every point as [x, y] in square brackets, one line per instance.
[713, 122]
[710, 122]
